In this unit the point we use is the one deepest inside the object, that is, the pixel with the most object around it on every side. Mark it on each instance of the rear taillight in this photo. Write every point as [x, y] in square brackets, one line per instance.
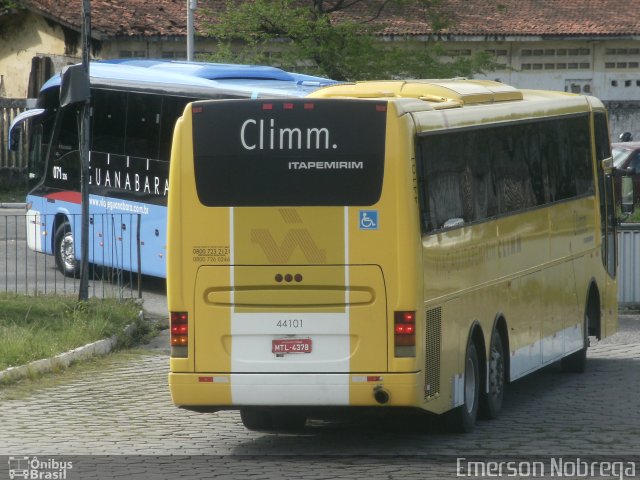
[179, 334]
[404, 328]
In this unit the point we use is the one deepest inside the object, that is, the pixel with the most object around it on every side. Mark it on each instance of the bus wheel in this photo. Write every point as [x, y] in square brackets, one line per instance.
[256, 419]
[272, 419]
[491, 402]
[577, 361]
[64, 251]
[288, 419]
[462, 419]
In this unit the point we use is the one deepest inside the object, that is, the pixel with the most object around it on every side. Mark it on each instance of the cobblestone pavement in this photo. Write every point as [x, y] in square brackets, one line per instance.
[125, 409]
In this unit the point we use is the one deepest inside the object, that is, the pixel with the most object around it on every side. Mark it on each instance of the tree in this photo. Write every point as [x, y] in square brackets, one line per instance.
[7, 5]
[340, 39]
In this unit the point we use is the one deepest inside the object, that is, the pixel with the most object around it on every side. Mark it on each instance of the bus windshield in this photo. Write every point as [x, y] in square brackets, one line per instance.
[620, 155]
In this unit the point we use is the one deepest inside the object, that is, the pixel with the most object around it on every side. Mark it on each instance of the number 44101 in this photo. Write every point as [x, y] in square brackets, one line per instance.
[289, 323]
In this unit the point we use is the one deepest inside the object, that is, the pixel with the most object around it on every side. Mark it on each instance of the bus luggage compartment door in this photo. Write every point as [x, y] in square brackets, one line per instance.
[290, 319]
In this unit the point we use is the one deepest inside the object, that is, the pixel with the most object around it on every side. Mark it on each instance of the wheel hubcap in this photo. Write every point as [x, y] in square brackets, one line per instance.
[66, 251]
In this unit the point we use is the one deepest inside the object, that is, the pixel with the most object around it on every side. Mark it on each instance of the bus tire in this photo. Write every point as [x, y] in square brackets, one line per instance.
[462, 419]
[257, 419]
[491, 402]
[288, 419]
[272, 419]
[64, 252]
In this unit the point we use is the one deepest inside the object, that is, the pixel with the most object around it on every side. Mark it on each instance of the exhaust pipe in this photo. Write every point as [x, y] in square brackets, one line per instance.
[381, 395]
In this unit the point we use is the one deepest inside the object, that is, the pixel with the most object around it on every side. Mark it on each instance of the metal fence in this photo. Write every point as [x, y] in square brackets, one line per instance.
[26, 271]
[12, 161]
[629, 265]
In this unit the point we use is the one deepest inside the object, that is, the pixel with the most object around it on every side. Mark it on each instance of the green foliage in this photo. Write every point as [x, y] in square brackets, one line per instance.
[8, 4]
[301, 36]
[630, 218]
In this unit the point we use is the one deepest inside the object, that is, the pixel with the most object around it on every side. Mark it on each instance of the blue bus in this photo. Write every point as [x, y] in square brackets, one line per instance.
[134, 107]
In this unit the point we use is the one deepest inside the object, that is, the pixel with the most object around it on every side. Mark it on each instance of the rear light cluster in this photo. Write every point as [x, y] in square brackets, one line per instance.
[288, 106]
[179, 334]
[404, 328]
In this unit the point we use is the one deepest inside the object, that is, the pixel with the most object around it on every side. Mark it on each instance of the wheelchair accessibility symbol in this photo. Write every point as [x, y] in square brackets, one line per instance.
[368, 219]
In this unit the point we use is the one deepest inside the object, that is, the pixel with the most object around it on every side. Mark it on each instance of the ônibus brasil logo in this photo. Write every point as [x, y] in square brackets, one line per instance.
[34, 468]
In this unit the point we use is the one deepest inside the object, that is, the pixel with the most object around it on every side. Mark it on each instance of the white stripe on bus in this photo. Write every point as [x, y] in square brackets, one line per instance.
[290, 389]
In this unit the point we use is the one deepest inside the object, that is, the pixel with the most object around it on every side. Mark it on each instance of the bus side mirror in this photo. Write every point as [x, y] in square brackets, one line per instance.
[74, 85]
[17, 127]
[626, 190]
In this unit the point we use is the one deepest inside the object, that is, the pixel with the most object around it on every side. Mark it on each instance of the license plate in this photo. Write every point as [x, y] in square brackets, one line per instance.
[280, 346]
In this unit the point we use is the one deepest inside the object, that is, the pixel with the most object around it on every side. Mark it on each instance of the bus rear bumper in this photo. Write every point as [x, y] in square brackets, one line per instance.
[296, 389]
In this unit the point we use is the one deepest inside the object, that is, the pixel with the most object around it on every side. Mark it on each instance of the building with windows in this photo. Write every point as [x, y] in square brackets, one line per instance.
[580, 46]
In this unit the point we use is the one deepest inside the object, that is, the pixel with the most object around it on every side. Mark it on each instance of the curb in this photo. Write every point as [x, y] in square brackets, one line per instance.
[63, 360]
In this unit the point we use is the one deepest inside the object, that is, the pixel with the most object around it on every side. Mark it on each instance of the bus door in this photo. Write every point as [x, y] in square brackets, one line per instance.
[281, 287]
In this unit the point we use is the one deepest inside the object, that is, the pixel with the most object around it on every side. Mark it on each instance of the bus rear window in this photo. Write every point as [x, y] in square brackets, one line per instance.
[289, 152]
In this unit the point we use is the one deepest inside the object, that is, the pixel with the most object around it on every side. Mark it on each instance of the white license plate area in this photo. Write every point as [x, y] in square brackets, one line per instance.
[280, 346]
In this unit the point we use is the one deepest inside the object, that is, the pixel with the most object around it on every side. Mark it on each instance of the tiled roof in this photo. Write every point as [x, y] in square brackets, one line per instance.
[166, 18]
[118, 18]
[514, 18]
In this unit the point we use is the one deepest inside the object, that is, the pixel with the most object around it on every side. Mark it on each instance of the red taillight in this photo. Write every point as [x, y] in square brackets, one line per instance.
[179, 329]
[405, 329]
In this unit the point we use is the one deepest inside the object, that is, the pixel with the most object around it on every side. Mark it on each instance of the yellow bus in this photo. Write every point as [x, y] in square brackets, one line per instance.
[413, 244]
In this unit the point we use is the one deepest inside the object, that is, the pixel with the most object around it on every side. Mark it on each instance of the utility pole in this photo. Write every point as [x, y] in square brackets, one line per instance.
[191, 8]
[84, 156]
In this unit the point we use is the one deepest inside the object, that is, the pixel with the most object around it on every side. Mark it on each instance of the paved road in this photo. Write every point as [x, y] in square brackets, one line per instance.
[125, 409]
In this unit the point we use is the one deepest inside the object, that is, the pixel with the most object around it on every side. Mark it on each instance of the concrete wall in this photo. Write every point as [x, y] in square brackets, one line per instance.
[25, 37]
[624, 117]
[608, 69]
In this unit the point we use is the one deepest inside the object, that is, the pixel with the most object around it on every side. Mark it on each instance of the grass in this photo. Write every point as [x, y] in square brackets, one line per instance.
[35, 327]
[12, 189]
[12, 195]
[633, 218]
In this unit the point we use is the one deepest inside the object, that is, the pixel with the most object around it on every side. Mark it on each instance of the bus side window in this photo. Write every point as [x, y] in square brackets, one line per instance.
[172, 108]
[143, 125]
[443, 182]
[109, 120]
[475, 174]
